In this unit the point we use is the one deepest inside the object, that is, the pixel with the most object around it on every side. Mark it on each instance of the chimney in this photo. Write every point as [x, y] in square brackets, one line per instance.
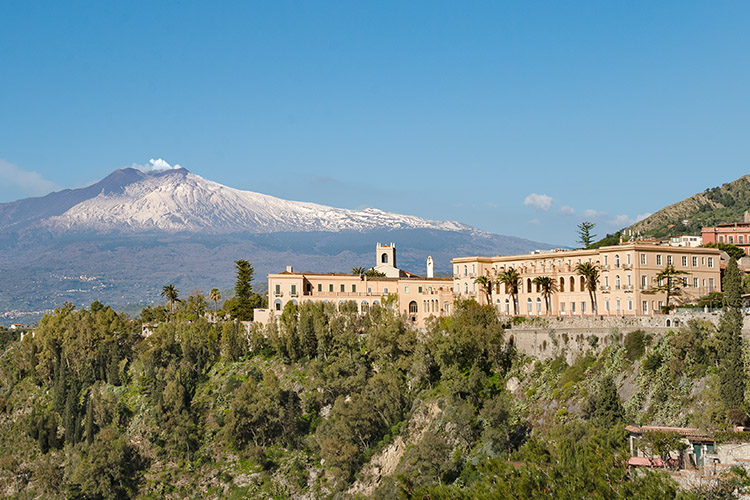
[289, 269]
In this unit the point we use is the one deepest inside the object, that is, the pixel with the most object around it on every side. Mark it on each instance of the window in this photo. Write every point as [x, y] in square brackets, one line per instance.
[278, 289]
[354, 288]
[721, 239]
[710, 262]
[669, 260]
[661, 304]
[644, 282]
[643, 259]
[365, 306]
[617, 261]
[684, 282]
[385, 291]
[572, 284]
[507, 307]
[473, 269]
[710, 284]
[618, 305]
[419, 289]
[684, 260]
[528, 305]
[562, 307]
[466, 270]
[703, 261]
[294, 290]
[583, 283]
[406, 289]
[572, 308]
[369, 289]
[538, 305]
[606, 305]
[606, 282]
[628, 258]
[658, 259]
[606, 260]
[320, 287]
[645, 307]
[630, 304]
[384, 258]
[277, 305]
[740, 239]
[695, 282]
[412, 307]
[466, 288]
[343, 288]
[330, 288]
[695, 261]
[630, 282]
[617, 282]
[562, 284]
[731, 239]
[583, 308]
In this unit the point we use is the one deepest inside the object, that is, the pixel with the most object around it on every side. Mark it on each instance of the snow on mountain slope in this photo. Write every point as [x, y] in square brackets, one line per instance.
[177, 201]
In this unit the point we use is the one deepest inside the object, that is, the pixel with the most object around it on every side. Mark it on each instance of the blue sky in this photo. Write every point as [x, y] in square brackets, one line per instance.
[520, 118]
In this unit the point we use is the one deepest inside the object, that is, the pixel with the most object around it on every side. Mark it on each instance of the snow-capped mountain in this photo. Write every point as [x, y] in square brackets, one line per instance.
[176, 200]
[120, 240]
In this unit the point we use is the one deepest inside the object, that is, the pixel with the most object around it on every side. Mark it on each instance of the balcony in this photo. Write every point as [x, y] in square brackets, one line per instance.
[628, 288]
[605, 267]
[627, 267]
[293, 294]
[279, 293]
[604, 289]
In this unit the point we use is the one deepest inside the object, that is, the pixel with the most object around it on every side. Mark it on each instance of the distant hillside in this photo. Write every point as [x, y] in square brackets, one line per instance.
[723, 204]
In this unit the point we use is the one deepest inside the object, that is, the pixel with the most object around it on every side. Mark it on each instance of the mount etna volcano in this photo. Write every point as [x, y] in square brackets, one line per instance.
[121, 239]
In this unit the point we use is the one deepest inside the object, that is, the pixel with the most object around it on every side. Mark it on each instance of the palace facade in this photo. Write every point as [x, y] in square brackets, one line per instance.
[416, 297]
[627, 283]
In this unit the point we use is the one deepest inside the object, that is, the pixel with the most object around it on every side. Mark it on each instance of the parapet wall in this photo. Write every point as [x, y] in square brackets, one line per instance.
[548, 337]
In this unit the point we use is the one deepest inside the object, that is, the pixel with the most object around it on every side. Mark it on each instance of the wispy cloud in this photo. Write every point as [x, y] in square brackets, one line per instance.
[567, 210]
[539, 201]
[155, 165]
[535, 221]
[594, 214]
[26, 181]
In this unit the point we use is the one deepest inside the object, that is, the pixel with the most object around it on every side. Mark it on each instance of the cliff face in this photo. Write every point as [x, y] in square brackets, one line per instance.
[722, 204]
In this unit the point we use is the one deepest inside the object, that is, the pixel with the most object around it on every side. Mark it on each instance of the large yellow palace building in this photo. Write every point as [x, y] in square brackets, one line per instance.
[626, 286]
[416, 297]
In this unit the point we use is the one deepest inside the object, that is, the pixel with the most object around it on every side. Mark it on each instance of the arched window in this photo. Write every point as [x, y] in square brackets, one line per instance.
[572, 284]
[528, 285]
[617, 260]
[538, 305]
[617, 282]
[412, 307]
[583, 283]
[466, 288]
[507, 307]
[529, 306]
[466, 270]
[384, 258]
[277, 305]
[365, 306]
[562, 284]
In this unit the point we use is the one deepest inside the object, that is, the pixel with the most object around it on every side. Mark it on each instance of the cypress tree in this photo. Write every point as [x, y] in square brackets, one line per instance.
[70, 417]
[732, 377]
[243, 290]
[90, 419]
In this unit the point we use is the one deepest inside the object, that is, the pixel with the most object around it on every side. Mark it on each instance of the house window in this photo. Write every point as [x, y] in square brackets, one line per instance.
[369, 289]
[710, 262]
[617, 261]
[606, 282]
[695, 261]
[695, 282]
[710, 284]
[684, 260]
[644, 282]
[385, 291]
[419, 289]
[630, 305]
[412, 307]
[643, 259]
[320, 287]
[330, 287]
[583, 308]
[343, 288]
[721, 239]
[365, 306]
[630, 283]
[606, 305]
[294, 290]
[354, 288]
[658, 259]
[538, 305]
[406, 289]
[627, 258]
[619, 308]
[466, 270]
[528, 305]
[562, 284]
[562, 307]
[617, 282]
[645, 307]
[669, 260]
[606, 260]
[731, 239]
[278, 289]
[740, 239]
[277, 305]
[684, 282]
[466, 288]
[572, 308]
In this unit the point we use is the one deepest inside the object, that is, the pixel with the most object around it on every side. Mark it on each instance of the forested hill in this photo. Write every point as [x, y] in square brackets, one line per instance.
[723, 204]
[333, 404]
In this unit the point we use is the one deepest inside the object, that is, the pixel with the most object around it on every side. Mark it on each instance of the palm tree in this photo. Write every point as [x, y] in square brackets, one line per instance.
[170, 293]
[359, 270]
[548, 284]
[486, 283]
[215, 295]
[511, 279]
[667, 281]
[591, 273]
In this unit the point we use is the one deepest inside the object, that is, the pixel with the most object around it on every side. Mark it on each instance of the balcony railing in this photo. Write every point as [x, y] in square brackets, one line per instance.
[627, 267]
[279, 293]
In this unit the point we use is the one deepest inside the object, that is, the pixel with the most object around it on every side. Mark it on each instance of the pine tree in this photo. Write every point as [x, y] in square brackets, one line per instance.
[604, 404]
[243, 290]
[732, 377]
